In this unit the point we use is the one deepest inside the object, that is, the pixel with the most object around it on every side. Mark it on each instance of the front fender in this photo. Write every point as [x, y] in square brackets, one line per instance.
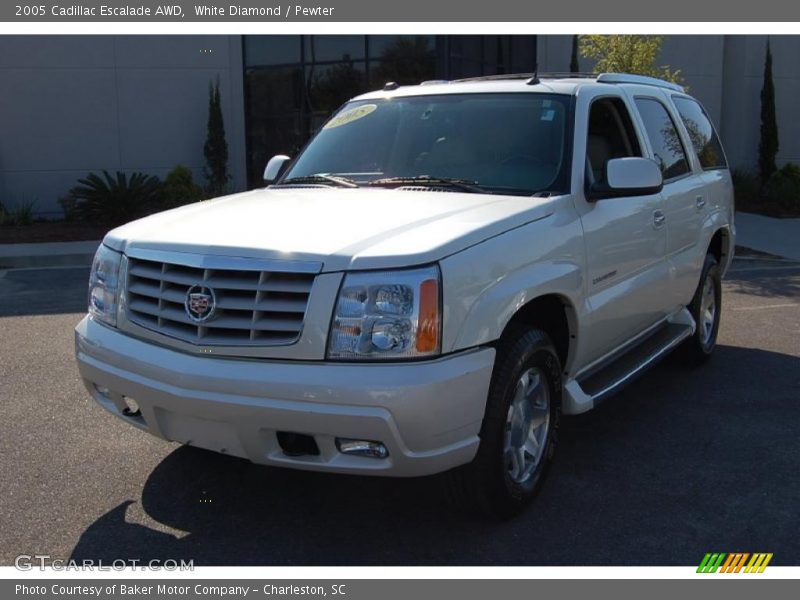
[487, 284]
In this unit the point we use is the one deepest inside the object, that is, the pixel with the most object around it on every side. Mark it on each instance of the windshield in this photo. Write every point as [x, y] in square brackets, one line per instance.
[502, 143]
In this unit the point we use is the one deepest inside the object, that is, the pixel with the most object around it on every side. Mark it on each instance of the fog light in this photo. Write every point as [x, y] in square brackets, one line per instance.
[362, 448]
[103, 391]
[131, 407]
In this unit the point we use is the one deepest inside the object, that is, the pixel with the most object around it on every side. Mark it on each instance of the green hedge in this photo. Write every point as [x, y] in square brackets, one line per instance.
[119, 198]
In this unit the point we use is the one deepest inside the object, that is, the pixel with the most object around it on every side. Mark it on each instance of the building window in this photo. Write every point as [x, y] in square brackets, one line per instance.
[293, 83]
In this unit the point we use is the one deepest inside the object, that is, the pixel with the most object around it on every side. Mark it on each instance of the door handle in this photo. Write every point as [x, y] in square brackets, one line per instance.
[659, 218]
[699, 202]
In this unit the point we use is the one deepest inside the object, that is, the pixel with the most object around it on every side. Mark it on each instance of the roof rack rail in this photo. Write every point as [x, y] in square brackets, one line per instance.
[566, 75]
[638, 79]
[531, 77]
[501, 77]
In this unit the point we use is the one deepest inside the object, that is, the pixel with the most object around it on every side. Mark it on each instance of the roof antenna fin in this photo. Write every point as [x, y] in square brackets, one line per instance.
[535, 79]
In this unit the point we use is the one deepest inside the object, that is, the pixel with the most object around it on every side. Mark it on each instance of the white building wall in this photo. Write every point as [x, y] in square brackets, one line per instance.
[744, 73]
[71, 105]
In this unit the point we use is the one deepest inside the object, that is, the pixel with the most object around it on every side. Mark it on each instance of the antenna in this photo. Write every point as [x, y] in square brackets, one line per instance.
[535, 79]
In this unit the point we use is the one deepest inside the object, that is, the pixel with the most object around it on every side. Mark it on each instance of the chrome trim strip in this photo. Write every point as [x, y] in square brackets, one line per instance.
[217, 261]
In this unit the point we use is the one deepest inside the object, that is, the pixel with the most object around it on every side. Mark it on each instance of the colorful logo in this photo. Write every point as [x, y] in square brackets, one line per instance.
[735, 562]
[200, 303]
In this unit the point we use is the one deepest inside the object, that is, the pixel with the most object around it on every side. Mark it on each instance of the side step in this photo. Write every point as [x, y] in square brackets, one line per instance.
[613, 376]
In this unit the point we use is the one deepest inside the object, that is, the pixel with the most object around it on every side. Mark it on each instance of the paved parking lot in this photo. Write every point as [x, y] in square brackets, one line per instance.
[681, 463]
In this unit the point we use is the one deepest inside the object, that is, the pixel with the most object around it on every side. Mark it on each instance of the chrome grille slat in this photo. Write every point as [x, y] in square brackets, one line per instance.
[143, 288]
[253, 307]
[143, 270]
[263, 305]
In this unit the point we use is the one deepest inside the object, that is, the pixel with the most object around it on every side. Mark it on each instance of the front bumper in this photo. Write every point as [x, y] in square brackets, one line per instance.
[428, 414]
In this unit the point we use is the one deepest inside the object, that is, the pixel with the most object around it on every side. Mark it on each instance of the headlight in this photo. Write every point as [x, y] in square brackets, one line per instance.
[387, 315]
[104, 285]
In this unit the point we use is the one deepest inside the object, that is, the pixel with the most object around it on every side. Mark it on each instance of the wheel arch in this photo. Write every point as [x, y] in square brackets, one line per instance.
[720, 246]
[542, 294]
[554, 314]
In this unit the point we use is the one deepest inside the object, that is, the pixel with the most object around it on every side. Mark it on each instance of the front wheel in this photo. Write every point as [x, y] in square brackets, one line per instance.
[706, 308]
[519, 431]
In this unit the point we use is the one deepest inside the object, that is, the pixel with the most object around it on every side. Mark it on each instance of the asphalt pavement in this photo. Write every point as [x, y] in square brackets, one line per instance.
[683, 462]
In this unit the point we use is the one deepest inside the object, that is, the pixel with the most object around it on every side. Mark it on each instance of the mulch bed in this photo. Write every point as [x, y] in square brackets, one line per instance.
[51, 231]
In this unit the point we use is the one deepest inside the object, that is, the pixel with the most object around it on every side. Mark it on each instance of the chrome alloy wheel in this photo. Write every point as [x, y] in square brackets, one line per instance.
[708, 311]
[527, 425]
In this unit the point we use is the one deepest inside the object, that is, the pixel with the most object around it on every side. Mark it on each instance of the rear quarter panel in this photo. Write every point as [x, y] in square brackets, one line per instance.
[687, 266]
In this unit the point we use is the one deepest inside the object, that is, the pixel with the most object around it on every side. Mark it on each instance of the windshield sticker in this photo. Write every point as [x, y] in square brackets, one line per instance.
[548, 115]
[348, 116]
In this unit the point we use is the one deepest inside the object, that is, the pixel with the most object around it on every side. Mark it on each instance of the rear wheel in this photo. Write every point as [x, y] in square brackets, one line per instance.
[706, 309]
[519, 431]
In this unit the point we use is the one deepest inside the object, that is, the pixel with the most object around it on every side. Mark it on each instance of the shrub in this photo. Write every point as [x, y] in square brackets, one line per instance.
[179, 188]
[769, 143]
[216, 147]
[67, 204]
[21, 214]
[574, 64]
[113, 200]
[782, 190]
[746, 188]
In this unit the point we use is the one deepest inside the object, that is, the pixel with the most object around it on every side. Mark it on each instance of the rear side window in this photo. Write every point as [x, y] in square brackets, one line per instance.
[701, 133]
[668, 149]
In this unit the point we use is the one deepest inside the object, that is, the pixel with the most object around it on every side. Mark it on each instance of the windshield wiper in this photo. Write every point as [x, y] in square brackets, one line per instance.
[465, 185]
[320, 180]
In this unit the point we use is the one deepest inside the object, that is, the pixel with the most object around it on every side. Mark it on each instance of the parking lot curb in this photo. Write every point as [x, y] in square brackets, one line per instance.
[53, 254]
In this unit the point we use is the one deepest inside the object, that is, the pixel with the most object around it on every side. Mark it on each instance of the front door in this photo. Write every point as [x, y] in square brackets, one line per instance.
[625, 239]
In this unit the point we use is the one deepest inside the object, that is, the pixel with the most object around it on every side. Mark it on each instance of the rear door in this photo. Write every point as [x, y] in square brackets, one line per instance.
[684, 194]
[709, 160]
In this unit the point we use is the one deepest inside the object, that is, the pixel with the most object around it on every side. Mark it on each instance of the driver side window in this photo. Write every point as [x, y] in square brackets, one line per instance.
[611, 135]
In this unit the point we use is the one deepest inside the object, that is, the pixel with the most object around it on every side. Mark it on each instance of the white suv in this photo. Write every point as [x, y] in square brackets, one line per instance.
[441, 273]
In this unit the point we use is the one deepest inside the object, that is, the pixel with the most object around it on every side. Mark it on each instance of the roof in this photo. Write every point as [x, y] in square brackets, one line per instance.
[567, 83]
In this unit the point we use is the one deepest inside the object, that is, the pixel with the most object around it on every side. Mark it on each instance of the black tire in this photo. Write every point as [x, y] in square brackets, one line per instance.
[697, 349]
[486, 483]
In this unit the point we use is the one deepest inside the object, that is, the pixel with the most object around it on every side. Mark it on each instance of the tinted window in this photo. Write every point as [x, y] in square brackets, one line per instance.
[611, 135]
[667, 146]
[333, 47]
[701, 133]
[508, 143]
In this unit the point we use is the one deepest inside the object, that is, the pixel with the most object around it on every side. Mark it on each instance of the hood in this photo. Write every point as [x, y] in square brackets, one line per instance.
[365, 228]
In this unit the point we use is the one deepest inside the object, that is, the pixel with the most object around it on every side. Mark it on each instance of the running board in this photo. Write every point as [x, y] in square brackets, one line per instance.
[598, 385]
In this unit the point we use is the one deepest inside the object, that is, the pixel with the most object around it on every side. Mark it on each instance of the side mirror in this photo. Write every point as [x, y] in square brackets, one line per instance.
[274, 167]
[631, 176]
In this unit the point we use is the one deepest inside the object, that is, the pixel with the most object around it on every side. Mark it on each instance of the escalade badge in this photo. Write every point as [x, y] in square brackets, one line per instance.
[200, 303]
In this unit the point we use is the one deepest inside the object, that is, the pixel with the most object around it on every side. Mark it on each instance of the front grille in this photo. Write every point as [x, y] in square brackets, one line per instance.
[251, 308]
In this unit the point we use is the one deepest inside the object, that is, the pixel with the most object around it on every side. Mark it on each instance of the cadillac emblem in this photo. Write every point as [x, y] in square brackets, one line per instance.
[200, 303]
